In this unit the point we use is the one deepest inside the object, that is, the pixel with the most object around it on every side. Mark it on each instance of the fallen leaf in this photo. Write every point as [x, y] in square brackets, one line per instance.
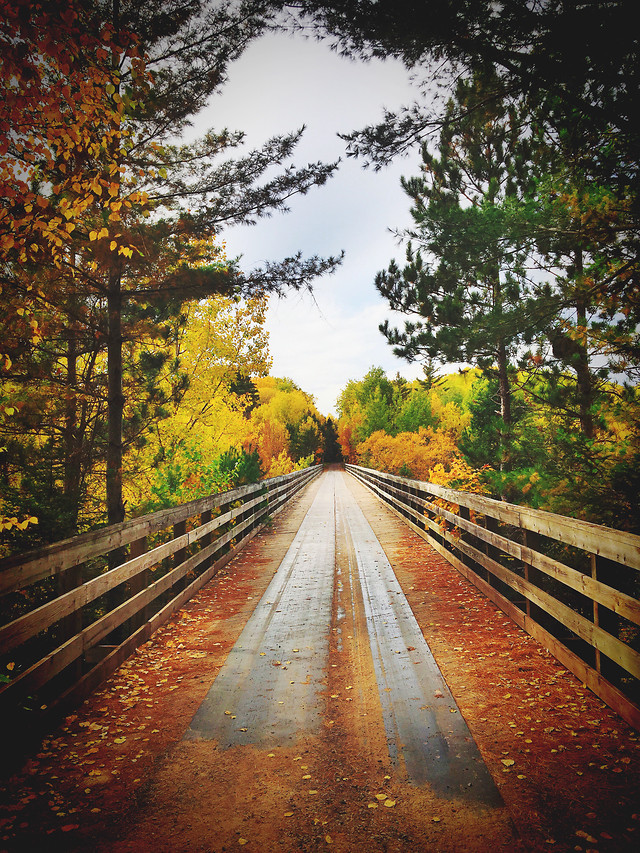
[389, 803]
[582, 834]
[288, 814]
[372, 805]
[508, 762]
[381, 796]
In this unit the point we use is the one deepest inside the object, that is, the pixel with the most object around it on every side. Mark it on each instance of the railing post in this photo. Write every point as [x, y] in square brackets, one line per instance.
[141, 581]
[596, 614]
[205, 518]
[71, 625]
[180, 556]
[526, 543]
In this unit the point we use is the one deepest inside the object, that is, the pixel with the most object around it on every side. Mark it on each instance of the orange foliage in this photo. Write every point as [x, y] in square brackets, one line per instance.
[429, 455]
[60, 114]
[348, 437]
[272, 444]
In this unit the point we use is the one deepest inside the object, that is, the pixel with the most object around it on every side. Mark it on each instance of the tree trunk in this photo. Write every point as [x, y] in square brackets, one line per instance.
[115, 395]
[504, 390]
[581, 358]
[71, 485]
[115, 410]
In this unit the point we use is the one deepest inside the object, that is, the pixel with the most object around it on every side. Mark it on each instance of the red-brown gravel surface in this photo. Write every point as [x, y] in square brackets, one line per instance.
[116, 775]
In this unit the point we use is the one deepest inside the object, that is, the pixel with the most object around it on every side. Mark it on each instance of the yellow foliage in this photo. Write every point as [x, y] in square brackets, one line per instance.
[450, 418]
[223, 336]
[281, 464]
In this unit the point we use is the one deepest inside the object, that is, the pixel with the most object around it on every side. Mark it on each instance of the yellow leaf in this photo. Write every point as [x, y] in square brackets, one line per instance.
[307, 776]
[389, 803]
[372, 805]
[120, 740]
[381, 796]
[288, 814]
[113, 245]
[508, 762]
[93, 235]
[242, 841]
[10, 666]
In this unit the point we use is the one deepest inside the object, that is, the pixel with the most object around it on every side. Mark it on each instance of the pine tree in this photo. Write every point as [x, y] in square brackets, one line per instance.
[465, 274]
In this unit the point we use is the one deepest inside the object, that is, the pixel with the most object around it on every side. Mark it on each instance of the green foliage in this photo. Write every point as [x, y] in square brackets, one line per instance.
[415, 412]
[332, 451]
[190, 475]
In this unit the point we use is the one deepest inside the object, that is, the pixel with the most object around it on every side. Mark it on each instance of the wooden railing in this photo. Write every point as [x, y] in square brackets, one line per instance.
[73, 611]
[572, 585]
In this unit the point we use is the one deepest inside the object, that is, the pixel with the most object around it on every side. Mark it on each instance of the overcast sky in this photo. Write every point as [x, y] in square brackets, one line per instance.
[279, 84]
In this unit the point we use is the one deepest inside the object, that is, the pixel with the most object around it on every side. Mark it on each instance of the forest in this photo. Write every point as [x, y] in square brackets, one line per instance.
[134, 359]
[447, 429]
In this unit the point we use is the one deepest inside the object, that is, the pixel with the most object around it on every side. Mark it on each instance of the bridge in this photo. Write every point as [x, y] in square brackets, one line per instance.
[329, 660]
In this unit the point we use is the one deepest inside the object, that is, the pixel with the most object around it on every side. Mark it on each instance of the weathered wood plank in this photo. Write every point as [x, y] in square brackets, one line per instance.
[610, 694]
[589, 586]
[26, 626]
[54, 662]
[109, 664]
[616, 545]
[21, 570]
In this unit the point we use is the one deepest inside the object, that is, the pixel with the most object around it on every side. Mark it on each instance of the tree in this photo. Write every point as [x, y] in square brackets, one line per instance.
[466, 278]
[216, 345]
[332, 452]
[577, 65]
[142, 203]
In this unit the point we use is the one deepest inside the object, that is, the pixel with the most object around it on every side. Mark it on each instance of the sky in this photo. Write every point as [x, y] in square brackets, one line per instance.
[322, 340]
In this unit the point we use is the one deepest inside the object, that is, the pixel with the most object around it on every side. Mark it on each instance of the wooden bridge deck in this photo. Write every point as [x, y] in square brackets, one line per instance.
[338, 687]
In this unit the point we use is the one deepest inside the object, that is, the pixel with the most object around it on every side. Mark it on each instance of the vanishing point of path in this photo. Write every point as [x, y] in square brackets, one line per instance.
[295, 705]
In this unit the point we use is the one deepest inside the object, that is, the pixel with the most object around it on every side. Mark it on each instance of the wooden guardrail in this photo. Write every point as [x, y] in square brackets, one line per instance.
[71, 612]
[572, 585]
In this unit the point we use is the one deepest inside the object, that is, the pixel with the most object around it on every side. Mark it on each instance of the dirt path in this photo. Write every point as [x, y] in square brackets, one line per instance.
[121, 776]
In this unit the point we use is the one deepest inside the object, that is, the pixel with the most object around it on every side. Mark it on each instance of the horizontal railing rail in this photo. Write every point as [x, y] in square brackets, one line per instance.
[572, 585]
[71, 612]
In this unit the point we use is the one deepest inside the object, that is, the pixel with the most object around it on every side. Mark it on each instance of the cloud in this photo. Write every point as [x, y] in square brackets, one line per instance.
[279, 84]
[321, 345]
